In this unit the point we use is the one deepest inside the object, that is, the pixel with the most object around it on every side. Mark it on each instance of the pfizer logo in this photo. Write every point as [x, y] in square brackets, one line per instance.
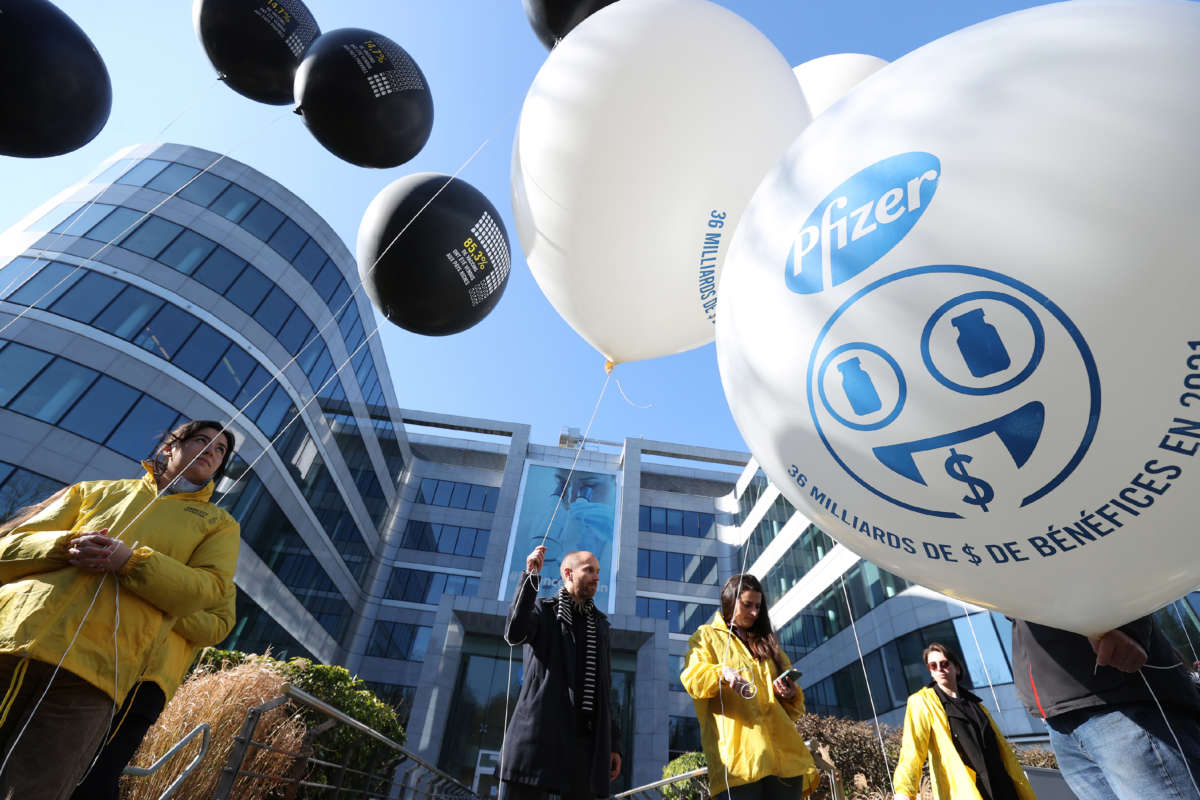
[925, 345]
[860, 221]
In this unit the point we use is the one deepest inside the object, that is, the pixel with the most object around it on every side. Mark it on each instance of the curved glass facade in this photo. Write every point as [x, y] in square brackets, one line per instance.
[146, 296]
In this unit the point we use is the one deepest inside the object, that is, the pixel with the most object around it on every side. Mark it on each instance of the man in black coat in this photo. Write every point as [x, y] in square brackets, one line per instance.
[562, 738]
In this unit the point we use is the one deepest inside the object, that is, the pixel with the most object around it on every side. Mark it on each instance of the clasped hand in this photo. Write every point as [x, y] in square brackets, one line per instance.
[95, 551]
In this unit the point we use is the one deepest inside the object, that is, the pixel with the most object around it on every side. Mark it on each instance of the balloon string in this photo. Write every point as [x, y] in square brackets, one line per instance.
[144, 216]
[1182, 755]
[91, 202]
[627, 400]
[578, 451]
[866, 678]
[1183, 621]
[197, 98]
[987, 673]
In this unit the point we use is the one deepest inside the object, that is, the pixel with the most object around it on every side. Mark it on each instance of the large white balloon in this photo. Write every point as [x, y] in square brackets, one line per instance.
[958, 321]
[826, 79]
[639, 145]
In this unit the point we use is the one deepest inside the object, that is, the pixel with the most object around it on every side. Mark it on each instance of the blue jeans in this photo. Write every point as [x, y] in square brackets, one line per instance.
[1126, 753]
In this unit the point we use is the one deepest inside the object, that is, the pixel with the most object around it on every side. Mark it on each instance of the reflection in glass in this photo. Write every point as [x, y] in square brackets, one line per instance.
[142, 428]
[128, 313]
[87, 296]
[151, 237]
[49, 284]
[58, 386]
[18, 365]
[104, 405]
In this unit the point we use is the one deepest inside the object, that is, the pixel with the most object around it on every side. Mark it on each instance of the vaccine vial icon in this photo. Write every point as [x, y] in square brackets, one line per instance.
[980, 344]
[859, 389]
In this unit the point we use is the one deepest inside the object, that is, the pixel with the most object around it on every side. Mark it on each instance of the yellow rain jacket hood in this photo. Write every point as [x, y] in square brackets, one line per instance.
[185, 552]
[744, 740]
[927, 731]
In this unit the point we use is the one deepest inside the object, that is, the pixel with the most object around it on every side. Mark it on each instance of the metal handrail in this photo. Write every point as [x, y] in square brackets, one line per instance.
[447, 785]
[202, 730]
[307, 699]
[703, 772]
[696, 773]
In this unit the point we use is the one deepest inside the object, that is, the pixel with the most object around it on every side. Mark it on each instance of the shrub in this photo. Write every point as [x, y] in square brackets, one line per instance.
[347, 693]
[220, 698]
[853, 747]
[694, 789]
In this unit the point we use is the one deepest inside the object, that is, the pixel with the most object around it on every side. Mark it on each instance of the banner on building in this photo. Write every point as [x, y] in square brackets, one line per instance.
[584, 519]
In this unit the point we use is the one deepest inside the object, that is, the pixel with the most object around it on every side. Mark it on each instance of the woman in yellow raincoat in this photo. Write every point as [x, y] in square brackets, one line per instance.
[90, 587]
[969, 758]
[746, 706]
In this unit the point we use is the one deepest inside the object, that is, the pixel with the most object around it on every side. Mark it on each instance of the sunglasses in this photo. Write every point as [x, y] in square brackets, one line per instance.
[939, 665]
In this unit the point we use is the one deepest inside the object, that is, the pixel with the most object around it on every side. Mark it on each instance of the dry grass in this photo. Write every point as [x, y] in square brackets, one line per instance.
[221, 699]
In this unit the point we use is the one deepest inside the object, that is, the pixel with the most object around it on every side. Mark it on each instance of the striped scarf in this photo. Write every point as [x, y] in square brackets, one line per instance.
[566, 609]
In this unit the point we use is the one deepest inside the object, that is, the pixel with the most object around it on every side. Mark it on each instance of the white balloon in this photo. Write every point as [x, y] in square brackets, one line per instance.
[639, 145]
[826, 79]
[958, 320]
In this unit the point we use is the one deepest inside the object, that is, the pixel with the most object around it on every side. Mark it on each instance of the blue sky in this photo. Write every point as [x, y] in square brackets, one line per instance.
[522, 363]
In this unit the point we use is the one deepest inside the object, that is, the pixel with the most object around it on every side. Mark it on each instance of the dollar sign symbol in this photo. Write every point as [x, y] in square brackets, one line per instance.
[981, 491]
[970, 551]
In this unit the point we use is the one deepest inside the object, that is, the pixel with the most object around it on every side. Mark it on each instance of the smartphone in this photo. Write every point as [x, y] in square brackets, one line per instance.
[792, 675]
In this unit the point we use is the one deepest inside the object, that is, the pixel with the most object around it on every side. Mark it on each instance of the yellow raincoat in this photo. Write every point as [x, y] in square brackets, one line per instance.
[746, 740]
[167, 664]
[927, 731]
[185, 552]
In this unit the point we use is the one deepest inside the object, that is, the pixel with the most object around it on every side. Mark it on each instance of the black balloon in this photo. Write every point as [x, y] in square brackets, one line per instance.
[256, 45]
[448, 268]
[55, 94]
[364, 98]
[554, 19]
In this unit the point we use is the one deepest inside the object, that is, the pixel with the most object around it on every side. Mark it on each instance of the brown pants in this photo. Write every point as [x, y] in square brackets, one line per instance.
[63, 736]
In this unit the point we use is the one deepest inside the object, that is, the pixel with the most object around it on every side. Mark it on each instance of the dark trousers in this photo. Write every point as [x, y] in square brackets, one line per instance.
[769, 788]
[581, 778]
[64, 732]
[142, 707]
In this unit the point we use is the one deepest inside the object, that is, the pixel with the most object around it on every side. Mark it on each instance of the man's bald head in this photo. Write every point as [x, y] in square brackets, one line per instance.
[580, 574]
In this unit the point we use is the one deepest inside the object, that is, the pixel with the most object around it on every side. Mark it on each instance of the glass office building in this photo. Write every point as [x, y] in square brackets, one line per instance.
[174, 284]
[177, 284]
[857, 632]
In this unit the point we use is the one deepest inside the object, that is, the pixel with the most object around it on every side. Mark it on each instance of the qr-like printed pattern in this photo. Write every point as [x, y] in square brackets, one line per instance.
[306, 27]
[405, 74]
[489, 236]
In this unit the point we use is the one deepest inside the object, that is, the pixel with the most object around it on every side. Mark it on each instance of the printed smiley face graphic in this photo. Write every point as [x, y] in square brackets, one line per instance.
[983, 348]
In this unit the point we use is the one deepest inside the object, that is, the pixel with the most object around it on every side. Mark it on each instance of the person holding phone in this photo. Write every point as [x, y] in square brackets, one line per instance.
[969, 758]
[747, 701]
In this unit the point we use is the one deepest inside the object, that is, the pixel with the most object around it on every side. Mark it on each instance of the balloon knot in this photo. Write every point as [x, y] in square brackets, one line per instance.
[608, 366]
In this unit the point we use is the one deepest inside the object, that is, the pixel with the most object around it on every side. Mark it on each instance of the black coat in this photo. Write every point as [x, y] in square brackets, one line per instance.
[539, 746]
[1055, 671]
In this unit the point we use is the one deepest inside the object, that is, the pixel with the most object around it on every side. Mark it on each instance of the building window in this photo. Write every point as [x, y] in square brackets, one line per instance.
[696, 524]
[684, 617]
[422, 586]
[433, 537]
[676, 669]
[683, 736]
[400, 640]
[677, 567]
[21, 487]
[452, 494]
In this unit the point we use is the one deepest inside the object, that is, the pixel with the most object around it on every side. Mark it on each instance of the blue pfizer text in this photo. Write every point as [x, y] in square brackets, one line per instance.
[861, 220]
